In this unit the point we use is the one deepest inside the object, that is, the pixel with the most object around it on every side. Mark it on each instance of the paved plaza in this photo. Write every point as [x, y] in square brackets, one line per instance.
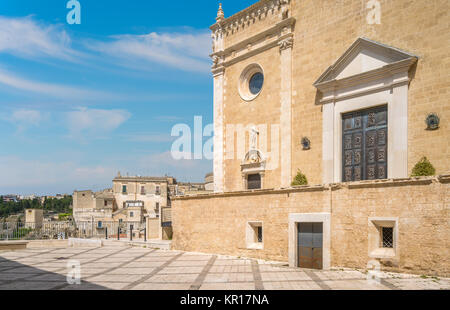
[127, 268]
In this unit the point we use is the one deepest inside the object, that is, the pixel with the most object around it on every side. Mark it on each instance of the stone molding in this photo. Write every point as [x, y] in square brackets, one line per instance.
[250, 15]
[281, 33]
[417, 181]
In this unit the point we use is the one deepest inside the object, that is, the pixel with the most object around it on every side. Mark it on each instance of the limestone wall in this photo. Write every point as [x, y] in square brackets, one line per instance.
[217, 223]
[323, 31]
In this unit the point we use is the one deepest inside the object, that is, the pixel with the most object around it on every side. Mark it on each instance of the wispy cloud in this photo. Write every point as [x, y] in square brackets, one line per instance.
[186, 50]
[183, 51]
[24, 119]
[36, 176]
[27, 38]
[94, 123]
[52, 90]
[148, 137]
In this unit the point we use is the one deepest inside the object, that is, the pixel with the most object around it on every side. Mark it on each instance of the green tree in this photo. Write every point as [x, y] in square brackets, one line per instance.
[300, 179]
[423, 168]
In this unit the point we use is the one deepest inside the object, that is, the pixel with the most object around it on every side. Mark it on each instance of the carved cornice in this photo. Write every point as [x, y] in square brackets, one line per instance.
[250, 15]
[286, 43]
[282, 34]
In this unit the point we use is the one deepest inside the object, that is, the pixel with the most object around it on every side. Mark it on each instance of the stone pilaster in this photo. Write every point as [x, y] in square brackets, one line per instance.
[286, 111]
[218, 71]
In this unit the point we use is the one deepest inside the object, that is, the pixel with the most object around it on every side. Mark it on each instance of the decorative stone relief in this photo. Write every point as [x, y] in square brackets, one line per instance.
[286, 43]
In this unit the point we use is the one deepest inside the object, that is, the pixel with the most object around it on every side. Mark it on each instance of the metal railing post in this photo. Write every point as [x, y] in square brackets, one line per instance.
[118, 233]
[106, 233]
[131, 234]
[145, 234]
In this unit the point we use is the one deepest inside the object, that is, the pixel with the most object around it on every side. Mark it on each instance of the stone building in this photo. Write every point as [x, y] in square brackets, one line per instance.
[34, 218]
[353, 96]
[134, 202]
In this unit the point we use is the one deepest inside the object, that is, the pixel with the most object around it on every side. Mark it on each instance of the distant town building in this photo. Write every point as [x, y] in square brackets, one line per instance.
[11, 198]
[135, 201]
[34, 218]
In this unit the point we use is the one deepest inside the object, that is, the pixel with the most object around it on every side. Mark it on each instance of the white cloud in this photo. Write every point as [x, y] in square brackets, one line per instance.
[95, 121]
[26, 38]
[52, 90]
[24, 118]
[31, 117]
[148, 137]
[44, 177]
[186, 50]
[183, 51]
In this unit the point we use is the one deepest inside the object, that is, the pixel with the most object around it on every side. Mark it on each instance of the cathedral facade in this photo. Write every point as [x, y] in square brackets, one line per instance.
[348, 97]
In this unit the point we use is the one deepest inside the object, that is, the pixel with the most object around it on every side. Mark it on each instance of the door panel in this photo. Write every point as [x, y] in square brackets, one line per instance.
[310, 243]
[364, 145]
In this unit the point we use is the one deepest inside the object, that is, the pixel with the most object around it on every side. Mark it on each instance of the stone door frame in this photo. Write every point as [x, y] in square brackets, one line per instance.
[294, 219]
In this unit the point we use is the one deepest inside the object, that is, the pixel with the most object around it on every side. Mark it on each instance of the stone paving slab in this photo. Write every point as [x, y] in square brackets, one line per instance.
[119, 268]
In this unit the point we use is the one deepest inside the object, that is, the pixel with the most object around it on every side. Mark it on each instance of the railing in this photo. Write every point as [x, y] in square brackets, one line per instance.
[64, 230]
[37, 231]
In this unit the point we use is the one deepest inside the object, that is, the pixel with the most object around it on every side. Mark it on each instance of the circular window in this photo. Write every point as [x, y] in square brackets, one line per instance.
[251, 82]
[256, 83]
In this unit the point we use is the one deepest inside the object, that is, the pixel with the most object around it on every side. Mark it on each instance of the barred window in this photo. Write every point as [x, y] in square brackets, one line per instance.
[388, 237]
[260, 234]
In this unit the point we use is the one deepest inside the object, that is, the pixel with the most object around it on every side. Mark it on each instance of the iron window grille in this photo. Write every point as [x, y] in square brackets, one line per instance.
[260, 234]
[388, 237]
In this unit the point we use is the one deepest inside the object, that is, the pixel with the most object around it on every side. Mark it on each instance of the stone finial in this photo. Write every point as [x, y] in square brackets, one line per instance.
[220, 14]
[118, 174]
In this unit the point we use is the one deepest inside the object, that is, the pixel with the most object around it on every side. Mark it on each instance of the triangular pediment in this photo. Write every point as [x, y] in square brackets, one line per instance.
[363, 56]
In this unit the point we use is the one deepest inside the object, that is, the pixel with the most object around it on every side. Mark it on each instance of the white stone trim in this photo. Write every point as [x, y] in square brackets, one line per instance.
[374, 238]
[218, 132]
[286, 116]
[396, 100]
[244, 81]
[250, 235]
[294, 219]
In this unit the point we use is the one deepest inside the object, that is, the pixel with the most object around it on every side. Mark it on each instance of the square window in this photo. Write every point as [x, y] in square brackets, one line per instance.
[142, 190]
[131, 214]
[254, 235]
[383, 241]
[124, 189]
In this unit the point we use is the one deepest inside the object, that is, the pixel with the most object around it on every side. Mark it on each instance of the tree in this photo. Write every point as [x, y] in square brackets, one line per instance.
[423, 168]
[300, 179]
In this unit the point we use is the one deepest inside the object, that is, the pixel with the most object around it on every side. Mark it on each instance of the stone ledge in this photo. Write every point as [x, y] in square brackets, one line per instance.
[334, 186]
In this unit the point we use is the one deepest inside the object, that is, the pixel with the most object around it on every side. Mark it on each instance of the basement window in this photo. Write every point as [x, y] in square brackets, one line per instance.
[254, 235]
[387, 237]
[383, 237]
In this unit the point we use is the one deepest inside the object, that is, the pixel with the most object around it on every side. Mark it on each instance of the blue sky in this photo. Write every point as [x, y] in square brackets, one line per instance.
[78, 103]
